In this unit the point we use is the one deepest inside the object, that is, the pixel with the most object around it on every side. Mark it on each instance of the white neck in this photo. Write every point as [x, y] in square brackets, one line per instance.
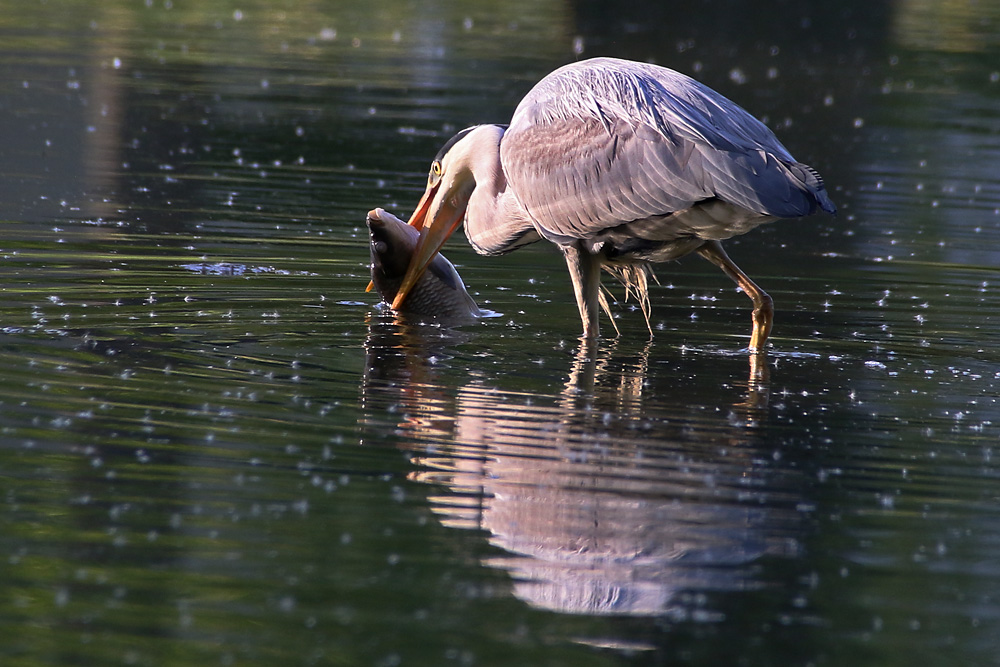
[495, 222]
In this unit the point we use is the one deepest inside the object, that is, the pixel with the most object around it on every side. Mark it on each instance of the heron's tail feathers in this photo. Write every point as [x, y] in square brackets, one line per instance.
[602, 297]
[635, 278]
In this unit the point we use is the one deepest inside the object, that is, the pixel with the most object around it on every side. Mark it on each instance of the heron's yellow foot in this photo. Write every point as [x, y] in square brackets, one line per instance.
[763, 320]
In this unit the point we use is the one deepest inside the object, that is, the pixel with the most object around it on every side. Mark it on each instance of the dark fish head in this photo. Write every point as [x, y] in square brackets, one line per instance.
[392, 243]
[439, 292]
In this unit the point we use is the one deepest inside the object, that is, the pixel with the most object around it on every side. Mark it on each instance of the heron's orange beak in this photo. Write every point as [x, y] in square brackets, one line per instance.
[443, 222]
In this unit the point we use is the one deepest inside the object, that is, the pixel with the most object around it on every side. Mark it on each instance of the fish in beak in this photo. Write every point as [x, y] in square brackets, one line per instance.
[437, 216]
[438, 291]
[416, 221]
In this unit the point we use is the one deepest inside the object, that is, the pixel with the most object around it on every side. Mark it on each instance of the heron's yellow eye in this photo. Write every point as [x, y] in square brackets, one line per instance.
[435, 168]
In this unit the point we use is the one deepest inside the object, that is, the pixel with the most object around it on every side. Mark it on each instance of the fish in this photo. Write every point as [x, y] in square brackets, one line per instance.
[440, 293]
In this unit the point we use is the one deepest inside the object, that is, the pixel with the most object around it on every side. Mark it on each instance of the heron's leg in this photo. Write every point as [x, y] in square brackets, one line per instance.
[763, 308]
[585, 271]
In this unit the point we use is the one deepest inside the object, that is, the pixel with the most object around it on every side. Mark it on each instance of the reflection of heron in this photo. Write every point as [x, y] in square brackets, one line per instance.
[620, 164]
[601, 502]
[605, 516]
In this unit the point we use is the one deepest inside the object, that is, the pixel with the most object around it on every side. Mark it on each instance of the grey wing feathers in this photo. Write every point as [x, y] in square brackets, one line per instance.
[606, 141]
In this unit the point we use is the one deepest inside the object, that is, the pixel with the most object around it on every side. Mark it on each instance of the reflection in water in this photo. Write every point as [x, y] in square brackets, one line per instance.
[181, 198]
[598, 507]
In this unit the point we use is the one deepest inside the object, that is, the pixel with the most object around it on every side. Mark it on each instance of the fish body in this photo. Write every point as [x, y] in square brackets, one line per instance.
[440, 292]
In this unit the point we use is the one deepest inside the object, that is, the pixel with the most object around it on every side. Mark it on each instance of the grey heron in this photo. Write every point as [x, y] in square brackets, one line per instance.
[620, 164]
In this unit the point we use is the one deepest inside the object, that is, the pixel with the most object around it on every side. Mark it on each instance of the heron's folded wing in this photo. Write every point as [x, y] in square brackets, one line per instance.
[593, 146]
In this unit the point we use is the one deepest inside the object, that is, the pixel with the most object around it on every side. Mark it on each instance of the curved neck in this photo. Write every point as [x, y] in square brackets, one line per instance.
[495, 222]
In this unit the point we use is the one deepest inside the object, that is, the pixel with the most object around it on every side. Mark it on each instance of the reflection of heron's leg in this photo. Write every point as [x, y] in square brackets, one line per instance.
[763, 308]
[585, 271]
[583, 370]
[760, 375]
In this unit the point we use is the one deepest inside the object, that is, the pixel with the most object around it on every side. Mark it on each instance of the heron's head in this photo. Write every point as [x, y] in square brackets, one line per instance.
[441, 209]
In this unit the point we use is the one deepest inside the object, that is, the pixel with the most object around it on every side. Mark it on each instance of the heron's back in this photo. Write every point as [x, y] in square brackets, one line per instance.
[603, 142]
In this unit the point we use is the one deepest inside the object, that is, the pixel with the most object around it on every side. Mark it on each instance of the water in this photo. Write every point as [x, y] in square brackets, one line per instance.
[216, 449]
